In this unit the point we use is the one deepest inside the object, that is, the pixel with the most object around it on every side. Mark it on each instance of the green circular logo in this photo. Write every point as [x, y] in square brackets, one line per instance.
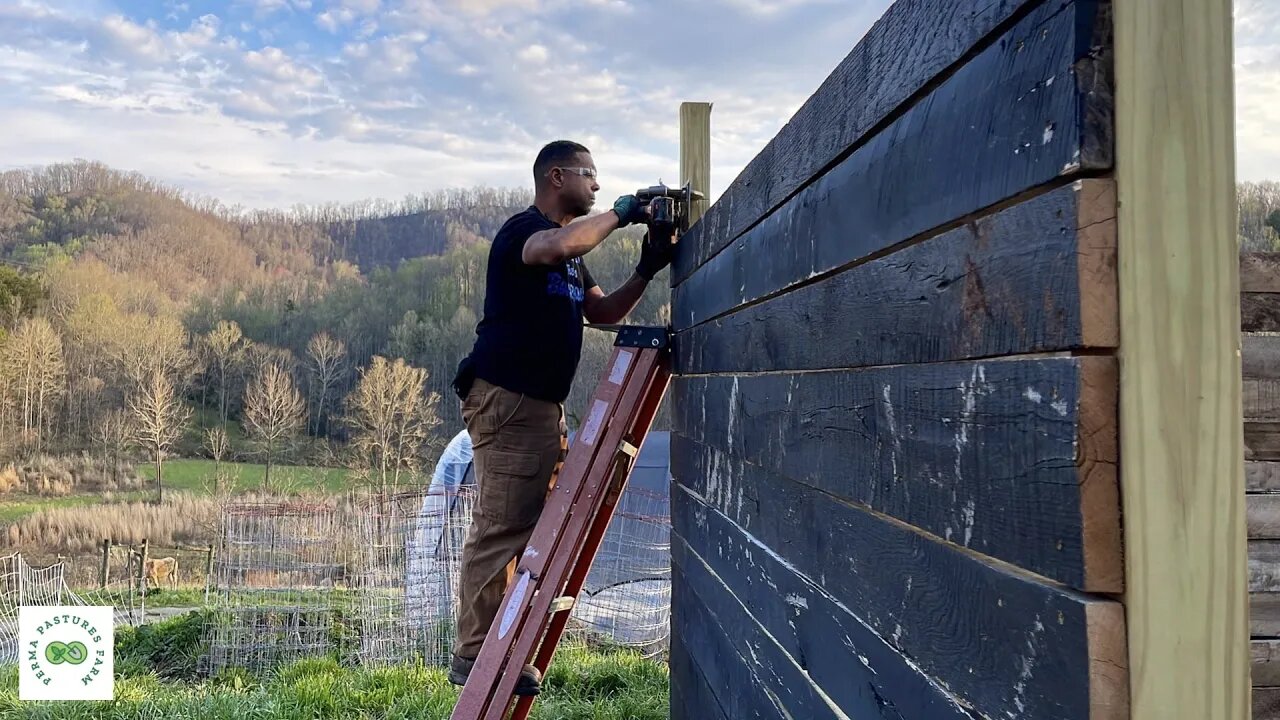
[58, 653]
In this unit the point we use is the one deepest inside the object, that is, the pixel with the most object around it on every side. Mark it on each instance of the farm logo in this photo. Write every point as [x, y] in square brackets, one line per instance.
[65, 653]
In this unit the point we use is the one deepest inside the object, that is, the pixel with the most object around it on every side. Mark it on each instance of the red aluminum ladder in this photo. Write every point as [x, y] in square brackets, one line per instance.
[555, 563]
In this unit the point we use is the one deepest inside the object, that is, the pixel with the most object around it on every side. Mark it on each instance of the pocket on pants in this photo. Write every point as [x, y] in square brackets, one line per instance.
[513, 491]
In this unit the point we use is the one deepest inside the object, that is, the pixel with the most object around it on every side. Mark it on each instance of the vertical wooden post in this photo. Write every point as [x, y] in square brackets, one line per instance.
[105, 570]
[142, 568]
[695, 153]
[208, 572]
[1181, 438]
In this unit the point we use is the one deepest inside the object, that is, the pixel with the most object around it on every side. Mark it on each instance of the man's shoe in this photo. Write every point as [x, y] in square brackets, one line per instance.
[529, 684]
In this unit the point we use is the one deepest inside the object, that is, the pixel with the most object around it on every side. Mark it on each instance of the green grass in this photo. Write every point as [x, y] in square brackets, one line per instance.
[156, 597]
[189, 475]
[156, 667]
[197, 476]
[16, 506]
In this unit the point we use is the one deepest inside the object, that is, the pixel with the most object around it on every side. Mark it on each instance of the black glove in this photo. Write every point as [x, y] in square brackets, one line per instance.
[654, 256]
[629, 210]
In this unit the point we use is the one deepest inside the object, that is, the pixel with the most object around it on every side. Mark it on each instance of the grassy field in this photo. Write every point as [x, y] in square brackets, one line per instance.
[155, 667]
[197, 476]
[194, 476]
[16, 506]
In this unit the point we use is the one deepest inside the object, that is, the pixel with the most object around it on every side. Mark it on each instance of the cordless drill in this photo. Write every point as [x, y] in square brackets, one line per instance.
[670, 210]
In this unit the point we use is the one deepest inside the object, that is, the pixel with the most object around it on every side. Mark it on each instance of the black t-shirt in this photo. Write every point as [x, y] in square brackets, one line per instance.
[530, 338]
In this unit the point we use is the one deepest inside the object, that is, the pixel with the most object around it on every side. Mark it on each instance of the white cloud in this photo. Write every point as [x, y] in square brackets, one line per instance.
[533, 54]
[273, 63]
[349, 98]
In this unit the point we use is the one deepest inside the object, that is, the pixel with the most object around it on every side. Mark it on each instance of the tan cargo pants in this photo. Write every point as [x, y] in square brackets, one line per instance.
[517, 442]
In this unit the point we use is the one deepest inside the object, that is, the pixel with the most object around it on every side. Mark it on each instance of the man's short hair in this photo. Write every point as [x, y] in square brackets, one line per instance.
[555, 154]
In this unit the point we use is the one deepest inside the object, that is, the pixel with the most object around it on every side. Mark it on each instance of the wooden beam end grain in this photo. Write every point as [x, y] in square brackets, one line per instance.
[1108, 661]
[1097, 263]
[1099, 459]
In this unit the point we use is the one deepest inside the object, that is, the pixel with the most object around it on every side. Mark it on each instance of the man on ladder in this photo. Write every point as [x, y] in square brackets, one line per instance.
[514, 383]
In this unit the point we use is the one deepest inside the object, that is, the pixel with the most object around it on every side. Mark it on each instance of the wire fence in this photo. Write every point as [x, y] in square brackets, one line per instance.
[406, 577]
[271, 594]
[24, 584]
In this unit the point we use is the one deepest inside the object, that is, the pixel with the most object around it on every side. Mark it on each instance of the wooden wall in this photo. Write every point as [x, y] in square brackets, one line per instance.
[1260, 365]
[895, 412]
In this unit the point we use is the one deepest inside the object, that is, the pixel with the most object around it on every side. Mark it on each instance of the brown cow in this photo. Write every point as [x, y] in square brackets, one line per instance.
[160, 569]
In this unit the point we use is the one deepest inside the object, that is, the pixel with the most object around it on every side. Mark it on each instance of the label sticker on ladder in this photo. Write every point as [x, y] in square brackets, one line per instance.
[619, 371]
[517, 599]
[591, 428]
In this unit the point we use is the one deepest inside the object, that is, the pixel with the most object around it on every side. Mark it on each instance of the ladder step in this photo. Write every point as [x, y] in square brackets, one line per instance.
[560, 604]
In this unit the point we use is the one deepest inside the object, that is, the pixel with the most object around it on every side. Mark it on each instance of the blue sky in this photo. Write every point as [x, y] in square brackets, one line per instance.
[268, 103]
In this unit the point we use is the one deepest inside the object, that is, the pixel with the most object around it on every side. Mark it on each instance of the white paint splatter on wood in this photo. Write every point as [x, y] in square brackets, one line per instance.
[797, 601]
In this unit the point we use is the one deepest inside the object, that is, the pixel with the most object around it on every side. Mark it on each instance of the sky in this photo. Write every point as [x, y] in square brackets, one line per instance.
[272, 103]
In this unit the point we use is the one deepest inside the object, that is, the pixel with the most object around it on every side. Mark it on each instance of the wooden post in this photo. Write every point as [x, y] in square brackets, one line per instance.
[208, 572]
[105, 570]
[142, 568]
[695, 153]
[1181, 456]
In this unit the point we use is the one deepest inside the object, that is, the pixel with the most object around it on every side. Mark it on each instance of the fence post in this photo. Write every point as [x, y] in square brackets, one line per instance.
[142, 568]
[208, 573]
[106, 564]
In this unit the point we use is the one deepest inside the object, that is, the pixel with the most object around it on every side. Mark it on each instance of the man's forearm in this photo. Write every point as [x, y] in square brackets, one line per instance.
[578, 239]
[615, 306]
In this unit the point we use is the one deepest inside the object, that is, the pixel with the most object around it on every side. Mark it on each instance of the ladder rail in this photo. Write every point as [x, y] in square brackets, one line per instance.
[577, 525]
[639, 430]
[568, 519]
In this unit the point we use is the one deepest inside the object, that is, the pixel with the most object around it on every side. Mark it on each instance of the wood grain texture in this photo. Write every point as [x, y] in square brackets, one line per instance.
[1181, 435]
[1266, 704]
[1266, 663]
[695, 153]
[1261, 400]
[1260, 356]
[1261, 476]
[1260, 272]
[1038, 276]
[1005, 644]
[913, 44]
[1263, 516]
[1264, 614]
[860, 671]
[1262, 441]
[691, 696]
[1015, 117]
[1015, 459]
[749, 676]
[1264, 564]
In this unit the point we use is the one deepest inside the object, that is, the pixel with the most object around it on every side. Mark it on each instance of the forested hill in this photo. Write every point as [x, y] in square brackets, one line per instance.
[119, 277]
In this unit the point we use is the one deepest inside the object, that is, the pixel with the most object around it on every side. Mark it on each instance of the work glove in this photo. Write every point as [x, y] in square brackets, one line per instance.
[629, 210]
[653, 257]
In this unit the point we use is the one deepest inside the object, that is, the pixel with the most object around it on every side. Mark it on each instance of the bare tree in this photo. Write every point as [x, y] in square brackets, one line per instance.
[327, 358]
[159, 417]
[112, 432]
[273, 412]
[391, 417]
[33, 359]
[217, 443]
[154, 344]
[226, 346]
